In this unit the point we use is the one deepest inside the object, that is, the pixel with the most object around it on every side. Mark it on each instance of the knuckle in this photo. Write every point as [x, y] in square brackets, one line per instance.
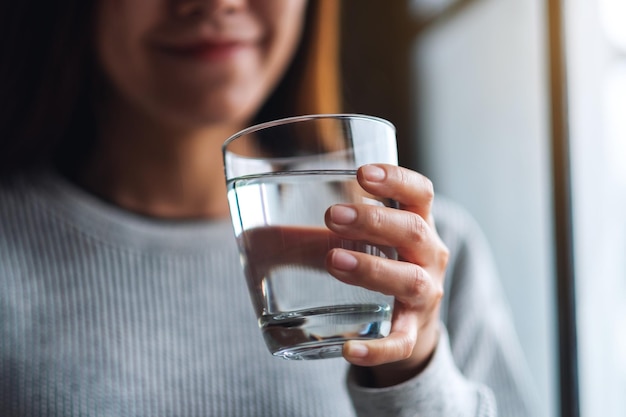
[376, 218]
[405, 347]
[428, 189]
[444, 257]
[418, 283]
[404, 179]
[438, 293]
[376, 267]
[417, 228]
[399, 348]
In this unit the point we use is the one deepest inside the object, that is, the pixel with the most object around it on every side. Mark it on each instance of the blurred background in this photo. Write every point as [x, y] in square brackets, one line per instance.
[471, 87]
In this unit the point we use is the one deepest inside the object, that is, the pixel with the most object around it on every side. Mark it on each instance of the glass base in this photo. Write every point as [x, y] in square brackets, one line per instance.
[326, 350]
[320, 333]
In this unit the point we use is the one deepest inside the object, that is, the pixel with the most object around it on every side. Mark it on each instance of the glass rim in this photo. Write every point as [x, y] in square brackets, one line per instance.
[302, 118]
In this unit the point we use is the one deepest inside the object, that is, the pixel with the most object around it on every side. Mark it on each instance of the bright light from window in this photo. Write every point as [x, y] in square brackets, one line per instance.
[615, 119]
[597, 49]
[613, 20]
[620, 338]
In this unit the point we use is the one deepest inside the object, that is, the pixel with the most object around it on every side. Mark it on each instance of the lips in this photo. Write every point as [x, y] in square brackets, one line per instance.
[207, 50]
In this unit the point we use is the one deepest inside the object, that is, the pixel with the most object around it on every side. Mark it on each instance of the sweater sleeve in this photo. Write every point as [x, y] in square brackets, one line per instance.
[439, 390]
[483, 339]
[478, 366]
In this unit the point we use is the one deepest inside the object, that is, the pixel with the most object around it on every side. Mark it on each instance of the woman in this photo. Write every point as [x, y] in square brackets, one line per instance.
[121, 287]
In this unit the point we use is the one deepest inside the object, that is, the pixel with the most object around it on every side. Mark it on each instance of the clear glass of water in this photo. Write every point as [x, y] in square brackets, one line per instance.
[282, 176]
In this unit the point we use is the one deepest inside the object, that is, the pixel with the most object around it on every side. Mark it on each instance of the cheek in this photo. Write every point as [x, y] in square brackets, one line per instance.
[119, 31]
[284, 19]
[284, 22]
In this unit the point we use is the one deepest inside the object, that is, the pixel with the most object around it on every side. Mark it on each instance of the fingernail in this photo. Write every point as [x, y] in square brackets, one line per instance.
[344, 260]
[357, 350]
[342, 214]
[373, 173]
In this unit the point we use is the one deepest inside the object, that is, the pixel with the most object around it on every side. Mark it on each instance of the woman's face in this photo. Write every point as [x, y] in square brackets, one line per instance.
[192, 63]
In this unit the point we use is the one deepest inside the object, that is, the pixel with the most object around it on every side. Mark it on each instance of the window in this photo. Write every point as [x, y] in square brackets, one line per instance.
[596, 50]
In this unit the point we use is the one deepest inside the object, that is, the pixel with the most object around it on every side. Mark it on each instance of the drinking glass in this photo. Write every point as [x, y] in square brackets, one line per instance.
[282, 176]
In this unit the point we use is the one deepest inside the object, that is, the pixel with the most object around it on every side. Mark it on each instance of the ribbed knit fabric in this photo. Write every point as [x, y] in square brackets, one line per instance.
[106, 313]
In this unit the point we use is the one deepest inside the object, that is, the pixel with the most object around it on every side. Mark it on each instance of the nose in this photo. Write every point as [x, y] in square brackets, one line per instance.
[197, 8]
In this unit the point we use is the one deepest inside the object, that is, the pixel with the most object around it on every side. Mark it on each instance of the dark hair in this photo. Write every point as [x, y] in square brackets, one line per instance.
[311, 84]
[44, 79]
[48, 79]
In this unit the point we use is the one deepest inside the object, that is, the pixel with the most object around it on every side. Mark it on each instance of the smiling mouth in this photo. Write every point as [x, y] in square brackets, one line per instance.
[208, 51]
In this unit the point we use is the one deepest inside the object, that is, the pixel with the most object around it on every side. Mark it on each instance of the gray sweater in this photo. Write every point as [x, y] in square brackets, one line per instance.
[106, 313]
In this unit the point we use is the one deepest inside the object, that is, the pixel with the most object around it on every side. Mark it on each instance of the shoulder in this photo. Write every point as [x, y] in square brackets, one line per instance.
[19, 227]
[471, 276]
[19, 200]
[456, 226]
[19, 190]
[26, 211]
[470, 252]
[16, 195]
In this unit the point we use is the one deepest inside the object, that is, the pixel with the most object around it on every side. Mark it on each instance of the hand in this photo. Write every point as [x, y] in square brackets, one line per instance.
[415, 280]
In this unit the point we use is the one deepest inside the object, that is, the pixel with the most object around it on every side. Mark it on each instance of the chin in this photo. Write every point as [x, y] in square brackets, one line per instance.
[202, 104]
[200, 119]
[200, 108]
[234, 112]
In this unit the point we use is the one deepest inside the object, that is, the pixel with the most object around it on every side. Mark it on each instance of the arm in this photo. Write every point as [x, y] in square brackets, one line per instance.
[483, 340]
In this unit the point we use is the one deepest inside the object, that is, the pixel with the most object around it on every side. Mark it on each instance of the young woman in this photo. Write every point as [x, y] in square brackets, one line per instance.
[121, 290]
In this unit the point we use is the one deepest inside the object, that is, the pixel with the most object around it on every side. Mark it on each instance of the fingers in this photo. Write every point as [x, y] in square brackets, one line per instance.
[399, 356]
[415, 240]
[416, 281]
[410, 230]
[409, 283]
[397, 346]
[414, 192]
[382, 225]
